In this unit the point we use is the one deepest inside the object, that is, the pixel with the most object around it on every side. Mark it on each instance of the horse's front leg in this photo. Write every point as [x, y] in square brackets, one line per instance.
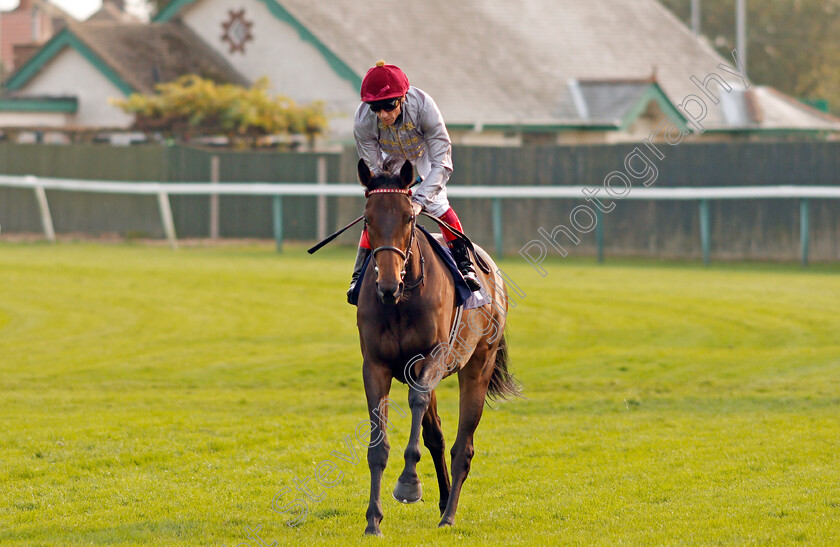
[377, 380]
[409, 489]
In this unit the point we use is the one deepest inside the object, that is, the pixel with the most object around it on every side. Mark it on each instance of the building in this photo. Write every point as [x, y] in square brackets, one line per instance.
[26, 28]
[502, 73]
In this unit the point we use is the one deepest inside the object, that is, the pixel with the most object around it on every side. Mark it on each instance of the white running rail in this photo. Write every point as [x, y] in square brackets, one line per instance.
[163, 190]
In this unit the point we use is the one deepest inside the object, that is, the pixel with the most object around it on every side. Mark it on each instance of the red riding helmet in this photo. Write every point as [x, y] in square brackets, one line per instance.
[384, 82]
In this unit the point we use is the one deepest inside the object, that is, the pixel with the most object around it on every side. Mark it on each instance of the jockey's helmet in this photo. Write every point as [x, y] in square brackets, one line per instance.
[384, 82]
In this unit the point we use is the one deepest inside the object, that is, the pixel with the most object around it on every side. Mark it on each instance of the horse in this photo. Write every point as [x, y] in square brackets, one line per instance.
[405, 316]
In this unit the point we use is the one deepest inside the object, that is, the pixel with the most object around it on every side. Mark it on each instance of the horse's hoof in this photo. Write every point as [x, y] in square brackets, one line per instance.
[373, 531]
[408, 493]
[446, 522]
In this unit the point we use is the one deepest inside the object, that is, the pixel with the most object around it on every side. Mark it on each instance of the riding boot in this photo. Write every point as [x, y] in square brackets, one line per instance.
[361, 256]
[465, 266]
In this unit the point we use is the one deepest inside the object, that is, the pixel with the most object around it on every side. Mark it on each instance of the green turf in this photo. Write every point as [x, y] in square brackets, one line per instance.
[164, 398]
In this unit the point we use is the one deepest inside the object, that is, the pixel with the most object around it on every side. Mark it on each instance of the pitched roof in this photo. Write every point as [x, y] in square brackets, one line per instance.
[147, 54]
[135, 56]
[780, 111]
[502, 62]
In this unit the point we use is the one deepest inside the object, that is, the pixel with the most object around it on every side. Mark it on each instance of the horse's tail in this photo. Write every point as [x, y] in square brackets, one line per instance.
[503, 386]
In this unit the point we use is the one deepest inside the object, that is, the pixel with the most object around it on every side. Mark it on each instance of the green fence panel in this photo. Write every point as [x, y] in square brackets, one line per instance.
[767, 229]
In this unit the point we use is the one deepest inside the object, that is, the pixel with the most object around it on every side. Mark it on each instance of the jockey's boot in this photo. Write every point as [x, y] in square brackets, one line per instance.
[361, 256]
[465, 266]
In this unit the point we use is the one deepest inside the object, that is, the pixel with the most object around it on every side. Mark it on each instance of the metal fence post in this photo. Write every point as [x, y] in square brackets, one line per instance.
[804, 228]
[321, 228]
[44, 208]
[705, 241]
[497, 226]
[215, 172]
[277, 203]
[599, 233]
[166, 218]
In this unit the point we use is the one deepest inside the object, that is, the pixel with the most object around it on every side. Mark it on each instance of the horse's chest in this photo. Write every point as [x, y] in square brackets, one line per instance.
[402, 339]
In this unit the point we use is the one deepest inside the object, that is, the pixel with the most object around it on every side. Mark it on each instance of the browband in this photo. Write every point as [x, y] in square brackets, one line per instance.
[406, 191]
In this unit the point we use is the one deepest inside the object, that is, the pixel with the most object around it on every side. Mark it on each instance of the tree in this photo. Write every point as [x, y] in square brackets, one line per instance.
[792, 45]
[192, 107]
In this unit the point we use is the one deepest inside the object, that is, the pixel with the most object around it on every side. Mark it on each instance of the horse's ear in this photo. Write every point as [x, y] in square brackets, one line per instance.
[407, 174]
[364, 173]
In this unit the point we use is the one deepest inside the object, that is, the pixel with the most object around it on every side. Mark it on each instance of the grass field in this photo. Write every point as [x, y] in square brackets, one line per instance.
[160, 397]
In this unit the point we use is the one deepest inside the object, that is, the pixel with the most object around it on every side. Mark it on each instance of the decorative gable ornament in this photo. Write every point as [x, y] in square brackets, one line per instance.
[237, 31]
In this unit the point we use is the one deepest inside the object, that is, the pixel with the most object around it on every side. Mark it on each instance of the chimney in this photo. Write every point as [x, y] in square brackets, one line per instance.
[36, 23]
[119, 4]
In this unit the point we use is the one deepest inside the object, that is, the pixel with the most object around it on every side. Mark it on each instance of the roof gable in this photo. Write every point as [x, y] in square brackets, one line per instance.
[64, 39]
[654, 93]
[133, 56]
[338, 65]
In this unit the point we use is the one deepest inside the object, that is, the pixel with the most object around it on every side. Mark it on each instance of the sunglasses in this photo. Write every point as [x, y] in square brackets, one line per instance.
[387, 105]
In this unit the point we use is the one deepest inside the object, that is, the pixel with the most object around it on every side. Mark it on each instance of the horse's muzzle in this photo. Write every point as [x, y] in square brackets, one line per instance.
[390, 293]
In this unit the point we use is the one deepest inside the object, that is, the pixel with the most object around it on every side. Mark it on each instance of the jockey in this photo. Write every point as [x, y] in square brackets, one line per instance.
[398, 121]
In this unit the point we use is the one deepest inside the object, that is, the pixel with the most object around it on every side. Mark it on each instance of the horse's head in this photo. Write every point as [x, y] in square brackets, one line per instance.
[390, 222]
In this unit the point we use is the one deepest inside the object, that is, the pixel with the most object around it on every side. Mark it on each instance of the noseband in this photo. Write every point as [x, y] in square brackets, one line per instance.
[405, 255]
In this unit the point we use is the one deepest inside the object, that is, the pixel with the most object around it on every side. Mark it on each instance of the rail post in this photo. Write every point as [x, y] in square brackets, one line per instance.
[497, 226]
[804, 228]
[166, 218]
[277, 207]
[44, 208]
[705, 240]
[215, 171]
[599, 233]
[321, 200]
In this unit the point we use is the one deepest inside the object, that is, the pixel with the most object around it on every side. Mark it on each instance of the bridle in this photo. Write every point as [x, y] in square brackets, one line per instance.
[405, 255]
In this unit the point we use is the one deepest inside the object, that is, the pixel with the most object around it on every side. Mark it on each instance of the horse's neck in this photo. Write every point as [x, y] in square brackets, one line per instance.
[434, 271]
[414, 268]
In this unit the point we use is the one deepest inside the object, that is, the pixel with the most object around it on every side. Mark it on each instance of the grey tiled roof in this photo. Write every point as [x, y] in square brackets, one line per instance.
[145, 54]
[510, 62]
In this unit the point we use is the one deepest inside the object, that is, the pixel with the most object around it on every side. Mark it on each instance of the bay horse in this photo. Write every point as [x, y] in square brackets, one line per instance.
[406, 313]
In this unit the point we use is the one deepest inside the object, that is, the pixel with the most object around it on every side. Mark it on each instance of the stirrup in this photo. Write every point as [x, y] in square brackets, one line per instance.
[462, 259]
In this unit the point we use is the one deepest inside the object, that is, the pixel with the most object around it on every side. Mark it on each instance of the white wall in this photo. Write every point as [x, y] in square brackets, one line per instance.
[70, 74]
[33, 119]
[294, 67]
[485, 138]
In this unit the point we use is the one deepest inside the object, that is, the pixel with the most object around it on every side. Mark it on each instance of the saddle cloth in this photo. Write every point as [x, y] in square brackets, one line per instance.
[463, 296]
